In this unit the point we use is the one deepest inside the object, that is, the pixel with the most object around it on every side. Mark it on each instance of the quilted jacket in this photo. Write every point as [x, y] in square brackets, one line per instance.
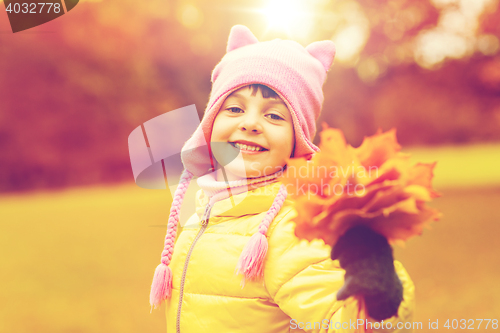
[297, 293]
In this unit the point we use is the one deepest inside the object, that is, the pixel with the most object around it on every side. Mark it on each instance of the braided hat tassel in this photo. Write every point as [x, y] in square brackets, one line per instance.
[251, 262]
[161, 287]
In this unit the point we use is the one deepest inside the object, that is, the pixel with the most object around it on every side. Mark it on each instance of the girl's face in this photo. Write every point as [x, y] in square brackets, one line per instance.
[257, 131]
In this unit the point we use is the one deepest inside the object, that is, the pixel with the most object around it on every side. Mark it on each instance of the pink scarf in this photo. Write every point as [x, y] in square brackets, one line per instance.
[218, 190]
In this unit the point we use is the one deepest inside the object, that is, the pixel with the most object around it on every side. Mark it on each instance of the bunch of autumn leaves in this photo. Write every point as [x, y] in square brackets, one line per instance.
[374, 184]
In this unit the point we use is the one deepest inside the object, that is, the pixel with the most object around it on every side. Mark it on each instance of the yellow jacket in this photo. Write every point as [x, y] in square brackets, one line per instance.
[300, 280]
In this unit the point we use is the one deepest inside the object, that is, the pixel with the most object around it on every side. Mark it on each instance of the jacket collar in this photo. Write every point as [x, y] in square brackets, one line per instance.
[255, 201]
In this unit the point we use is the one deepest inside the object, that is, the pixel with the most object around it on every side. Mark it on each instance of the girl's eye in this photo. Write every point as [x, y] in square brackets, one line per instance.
[275, 116]
[235, 110]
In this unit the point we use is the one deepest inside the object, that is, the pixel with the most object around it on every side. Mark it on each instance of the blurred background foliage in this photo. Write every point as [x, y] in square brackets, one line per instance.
[73, 89]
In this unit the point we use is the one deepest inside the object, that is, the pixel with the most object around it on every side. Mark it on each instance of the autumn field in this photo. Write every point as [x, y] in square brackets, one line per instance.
[81, 260]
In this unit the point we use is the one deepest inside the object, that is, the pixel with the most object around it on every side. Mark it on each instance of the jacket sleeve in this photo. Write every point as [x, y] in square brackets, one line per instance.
[303, 281]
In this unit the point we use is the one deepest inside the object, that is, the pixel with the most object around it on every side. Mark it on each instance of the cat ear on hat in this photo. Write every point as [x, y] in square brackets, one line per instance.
[324, 51]
[240, 36]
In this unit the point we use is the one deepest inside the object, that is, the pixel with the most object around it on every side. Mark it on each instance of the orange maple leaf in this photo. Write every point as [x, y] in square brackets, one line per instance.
[374, 184]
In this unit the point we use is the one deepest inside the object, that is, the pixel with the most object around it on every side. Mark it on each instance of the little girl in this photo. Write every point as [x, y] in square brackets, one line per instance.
[242, 269]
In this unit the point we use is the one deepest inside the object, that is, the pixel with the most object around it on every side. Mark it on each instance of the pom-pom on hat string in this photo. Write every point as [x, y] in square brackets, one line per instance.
[251, 262]
[161, 287]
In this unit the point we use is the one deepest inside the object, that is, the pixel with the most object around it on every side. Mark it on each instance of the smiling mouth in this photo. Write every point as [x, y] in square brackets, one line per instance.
[242, 146]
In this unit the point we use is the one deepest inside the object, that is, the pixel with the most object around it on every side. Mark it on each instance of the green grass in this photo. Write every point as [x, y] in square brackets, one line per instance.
[81, 260]
[462, 166]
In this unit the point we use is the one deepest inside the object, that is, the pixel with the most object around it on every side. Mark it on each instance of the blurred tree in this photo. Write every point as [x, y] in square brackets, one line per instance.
[73, 89]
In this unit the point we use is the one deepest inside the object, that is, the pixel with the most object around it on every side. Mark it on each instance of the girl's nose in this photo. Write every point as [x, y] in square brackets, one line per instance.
[251, 123]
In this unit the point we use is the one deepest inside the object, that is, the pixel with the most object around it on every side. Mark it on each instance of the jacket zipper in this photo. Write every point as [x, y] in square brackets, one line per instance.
[204, 224]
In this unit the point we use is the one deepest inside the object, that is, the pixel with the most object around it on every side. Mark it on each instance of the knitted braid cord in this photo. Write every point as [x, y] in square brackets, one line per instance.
[251, 262]
[162, 280]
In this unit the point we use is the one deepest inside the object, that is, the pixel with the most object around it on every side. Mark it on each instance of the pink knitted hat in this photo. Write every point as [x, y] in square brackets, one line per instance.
[297, 74]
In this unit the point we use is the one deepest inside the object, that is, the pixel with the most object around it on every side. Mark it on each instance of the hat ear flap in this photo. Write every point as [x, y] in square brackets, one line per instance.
[324, 51]
[240, 36]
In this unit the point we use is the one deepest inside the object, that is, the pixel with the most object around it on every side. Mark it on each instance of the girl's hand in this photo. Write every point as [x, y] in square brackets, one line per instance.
[367, 259]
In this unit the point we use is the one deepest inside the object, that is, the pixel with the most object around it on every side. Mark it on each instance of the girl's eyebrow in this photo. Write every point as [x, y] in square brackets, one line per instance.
[275, 101]
[235, 95]
[268, 100]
